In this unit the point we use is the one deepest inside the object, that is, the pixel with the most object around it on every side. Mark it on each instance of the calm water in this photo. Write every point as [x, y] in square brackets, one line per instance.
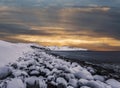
[112, 57]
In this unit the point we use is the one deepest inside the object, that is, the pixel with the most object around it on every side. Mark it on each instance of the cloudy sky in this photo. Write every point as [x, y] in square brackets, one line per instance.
[92, 24]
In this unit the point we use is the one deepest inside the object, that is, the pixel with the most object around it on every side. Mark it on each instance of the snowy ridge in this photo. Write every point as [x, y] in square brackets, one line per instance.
[66, 48]
[37, 69]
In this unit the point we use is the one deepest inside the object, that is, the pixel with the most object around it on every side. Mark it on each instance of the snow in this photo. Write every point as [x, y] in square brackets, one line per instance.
[10, 52]
[65, 48]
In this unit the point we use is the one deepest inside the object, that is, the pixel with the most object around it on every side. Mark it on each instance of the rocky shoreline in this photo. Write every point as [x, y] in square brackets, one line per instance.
[39, 69]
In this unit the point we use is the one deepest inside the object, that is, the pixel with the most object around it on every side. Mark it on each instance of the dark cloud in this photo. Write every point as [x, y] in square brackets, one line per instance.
[101, 23]
[17, 29]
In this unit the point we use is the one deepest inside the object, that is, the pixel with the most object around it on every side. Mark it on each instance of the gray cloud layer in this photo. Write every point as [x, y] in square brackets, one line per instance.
[100, 22]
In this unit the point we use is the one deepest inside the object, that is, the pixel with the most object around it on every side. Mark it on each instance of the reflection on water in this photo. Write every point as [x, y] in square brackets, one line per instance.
[95, 28]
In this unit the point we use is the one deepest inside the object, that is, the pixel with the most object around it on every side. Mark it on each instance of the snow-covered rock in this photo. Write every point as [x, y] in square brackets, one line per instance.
[83, 74]
[34, 82]
[97, 84]
[114, 83]
[61, 81]
[4, 72]
[16, 83]
[85, 87]
[73, 83]
[98, 77]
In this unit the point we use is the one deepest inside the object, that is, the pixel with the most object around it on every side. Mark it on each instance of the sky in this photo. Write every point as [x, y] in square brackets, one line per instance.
[91, 24]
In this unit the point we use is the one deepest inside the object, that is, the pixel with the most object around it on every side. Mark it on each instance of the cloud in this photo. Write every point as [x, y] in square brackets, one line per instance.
[75, 26]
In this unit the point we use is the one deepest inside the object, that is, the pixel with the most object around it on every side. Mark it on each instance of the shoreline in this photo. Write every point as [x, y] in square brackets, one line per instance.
[100, 70]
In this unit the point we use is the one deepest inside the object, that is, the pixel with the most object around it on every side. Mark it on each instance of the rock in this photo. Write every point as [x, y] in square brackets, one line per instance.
[5, 72]
[15, 83]
[114, 83]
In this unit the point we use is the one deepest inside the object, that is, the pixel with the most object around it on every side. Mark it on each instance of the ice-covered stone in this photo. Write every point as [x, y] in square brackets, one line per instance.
[98, 77]
[73, 83]
[34, 82]
[15, 83]
[4, 72]
[114, 83]
[84, 74]
[85, 87]
[61, 81]
[82, 82]
[70, 87]
[34, 73]
[97, 84]
[17, 73]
